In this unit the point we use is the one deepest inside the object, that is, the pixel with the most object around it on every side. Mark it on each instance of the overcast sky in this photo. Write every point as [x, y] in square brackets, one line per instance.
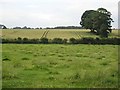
[43, 13]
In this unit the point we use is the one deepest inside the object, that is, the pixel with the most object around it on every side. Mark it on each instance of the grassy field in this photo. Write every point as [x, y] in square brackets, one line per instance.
[54, 33]
[67, 66]
[60, 66]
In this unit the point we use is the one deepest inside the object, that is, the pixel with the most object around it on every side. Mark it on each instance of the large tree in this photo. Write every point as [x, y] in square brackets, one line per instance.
[98, 21]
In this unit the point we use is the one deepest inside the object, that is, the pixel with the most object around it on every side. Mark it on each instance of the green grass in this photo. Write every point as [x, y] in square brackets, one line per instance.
[59, 66]
[52, 33]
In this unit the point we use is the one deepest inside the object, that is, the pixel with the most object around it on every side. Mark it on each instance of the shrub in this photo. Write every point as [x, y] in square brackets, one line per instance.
[19, 38]
[57, 41]
[34, 41]
[97, 40]
[25, 40]
[85, 40]
[73, 41]
[88, 40]
[44, 40]
[65, 41]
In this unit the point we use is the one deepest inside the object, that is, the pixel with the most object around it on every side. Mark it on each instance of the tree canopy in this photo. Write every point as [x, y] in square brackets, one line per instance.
[98, 21]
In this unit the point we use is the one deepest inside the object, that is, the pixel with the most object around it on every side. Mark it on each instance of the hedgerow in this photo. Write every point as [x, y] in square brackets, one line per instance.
[85, 40]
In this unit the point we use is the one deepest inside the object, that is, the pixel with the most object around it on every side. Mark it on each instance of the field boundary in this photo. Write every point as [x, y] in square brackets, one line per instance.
[85, 40]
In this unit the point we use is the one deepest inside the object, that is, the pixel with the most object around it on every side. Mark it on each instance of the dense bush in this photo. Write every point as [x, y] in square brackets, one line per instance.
[44, 40]
[35, 41]
[88, 40]
[9, 41]
[114, 41]
[73, 41]
[19, 40]
[57, 41]
[85, 40]
[65, 41]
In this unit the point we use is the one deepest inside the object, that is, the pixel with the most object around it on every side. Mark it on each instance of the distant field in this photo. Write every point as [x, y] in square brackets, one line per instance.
[48, 33]
[60, 66]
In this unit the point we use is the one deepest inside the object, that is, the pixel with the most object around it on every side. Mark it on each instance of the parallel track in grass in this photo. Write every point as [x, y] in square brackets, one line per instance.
[45, 34]
[51, 33]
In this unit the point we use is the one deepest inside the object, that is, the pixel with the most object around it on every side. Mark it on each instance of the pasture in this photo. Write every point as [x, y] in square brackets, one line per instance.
[59, 66]
[50, 33]
[55, 65]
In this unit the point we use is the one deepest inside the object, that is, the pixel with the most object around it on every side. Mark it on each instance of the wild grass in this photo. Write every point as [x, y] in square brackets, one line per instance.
[59, 66]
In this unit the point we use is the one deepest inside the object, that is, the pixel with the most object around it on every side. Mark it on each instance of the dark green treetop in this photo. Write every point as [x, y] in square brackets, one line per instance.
[96, 20]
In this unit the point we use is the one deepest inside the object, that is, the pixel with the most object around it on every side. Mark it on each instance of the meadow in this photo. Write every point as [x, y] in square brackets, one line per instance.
[50, 33]
[59, 66]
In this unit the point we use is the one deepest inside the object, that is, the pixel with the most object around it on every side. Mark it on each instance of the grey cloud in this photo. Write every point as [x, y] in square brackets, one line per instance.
[51, 12]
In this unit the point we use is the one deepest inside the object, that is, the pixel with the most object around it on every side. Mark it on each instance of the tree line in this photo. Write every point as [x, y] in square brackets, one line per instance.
[58, 27]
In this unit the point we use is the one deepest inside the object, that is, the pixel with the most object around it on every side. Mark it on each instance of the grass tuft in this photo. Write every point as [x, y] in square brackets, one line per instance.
[6, 59]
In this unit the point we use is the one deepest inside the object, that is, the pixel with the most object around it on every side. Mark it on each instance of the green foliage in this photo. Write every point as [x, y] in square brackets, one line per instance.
[73, 41]
[44, 40]
[19, 38]
[57, 41]
[25, 39]
[84, 40]
[65, 41]
[98, 21]
[103, 31]
[88, 40]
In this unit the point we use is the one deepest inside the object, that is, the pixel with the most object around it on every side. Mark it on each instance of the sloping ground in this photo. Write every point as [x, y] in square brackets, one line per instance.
[51, 33]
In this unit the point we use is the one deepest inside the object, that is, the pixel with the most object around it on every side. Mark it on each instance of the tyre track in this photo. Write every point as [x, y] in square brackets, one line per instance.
[45, 34]
[77, 34]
